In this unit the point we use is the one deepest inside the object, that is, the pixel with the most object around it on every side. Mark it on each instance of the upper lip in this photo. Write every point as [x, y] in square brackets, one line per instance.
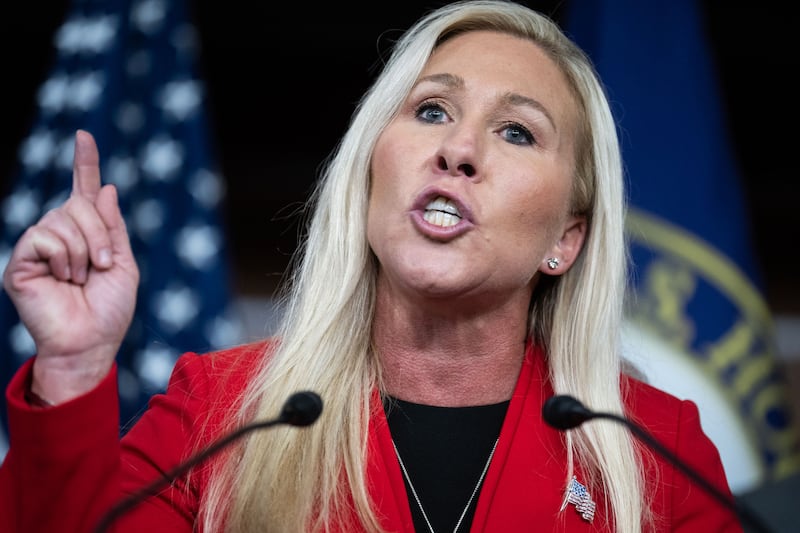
[431, 193]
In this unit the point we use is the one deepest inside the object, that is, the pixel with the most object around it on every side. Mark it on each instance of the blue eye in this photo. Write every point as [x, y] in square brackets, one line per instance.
[516, 134]
[431, 113]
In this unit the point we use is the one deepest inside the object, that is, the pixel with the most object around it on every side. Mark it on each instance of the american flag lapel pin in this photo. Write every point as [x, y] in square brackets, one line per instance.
[578, 496]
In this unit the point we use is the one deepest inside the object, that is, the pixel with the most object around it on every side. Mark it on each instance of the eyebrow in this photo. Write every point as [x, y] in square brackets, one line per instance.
[512, 99]
[515, 99]
[450, 80]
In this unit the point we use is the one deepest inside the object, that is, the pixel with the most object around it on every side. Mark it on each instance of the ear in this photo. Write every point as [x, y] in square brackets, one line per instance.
[562, 255]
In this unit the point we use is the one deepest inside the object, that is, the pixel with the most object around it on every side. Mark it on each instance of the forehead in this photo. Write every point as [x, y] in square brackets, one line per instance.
[504, 62]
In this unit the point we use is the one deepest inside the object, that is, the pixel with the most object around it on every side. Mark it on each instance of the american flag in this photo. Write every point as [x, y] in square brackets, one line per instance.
[578, 496]
[126, 71]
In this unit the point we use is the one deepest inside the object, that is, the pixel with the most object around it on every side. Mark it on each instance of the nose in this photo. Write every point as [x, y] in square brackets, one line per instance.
[459, 151]
[467, 169]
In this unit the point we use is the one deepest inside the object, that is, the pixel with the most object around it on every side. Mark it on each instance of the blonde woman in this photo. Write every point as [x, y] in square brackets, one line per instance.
[464, 261]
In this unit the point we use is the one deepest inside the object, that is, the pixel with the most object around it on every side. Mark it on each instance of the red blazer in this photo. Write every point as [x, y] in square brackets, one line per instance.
[66, 465]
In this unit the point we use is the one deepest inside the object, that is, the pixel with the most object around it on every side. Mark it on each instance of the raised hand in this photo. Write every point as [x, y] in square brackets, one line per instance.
[73, 280]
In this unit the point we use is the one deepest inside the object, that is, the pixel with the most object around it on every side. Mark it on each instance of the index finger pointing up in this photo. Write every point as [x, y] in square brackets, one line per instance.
[85, 166]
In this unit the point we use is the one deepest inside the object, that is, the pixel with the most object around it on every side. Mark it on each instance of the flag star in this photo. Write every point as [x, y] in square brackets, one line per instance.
[176, 307]
[98, 33]
[162, 158]
[127, 384]
[148, 217]
[37, 150]
[130, 117]
[86, 89]
[154, 365]
[206, 187]
[20, 209]
[148, 15]
[65, 152]
[81, 35]
[224, 331]
[121, 171]
[69, 36]
[197, 246]
[52, 94]
[181, 99]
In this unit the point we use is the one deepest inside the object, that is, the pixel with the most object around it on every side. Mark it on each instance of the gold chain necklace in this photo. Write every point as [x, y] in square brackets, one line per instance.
[471, 497]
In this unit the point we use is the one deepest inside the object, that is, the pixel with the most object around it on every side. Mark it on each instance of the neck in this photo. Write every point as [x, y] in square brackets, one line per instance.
[449, 361]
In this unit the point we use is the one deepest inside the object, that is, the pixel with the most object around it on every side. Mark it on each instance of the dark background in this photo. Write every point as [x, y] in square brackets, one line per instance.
[283, 81]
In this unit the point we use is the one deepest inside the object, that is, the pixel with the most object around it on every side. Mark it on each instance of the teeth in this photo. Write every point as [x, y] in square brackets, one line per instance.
[437, 218]
[442, 212]
[443, 204]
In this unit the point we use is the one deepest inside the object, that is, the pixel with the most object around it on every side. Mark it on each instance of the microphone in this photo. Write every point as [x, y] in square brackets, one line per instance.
[564, 412]
[301, 409]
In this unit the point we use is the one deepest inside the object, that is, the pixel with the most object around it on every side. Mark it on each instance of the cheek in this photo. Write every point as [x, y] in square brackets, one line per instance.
[535, 217]
[382, 190]
[392, 174]
[379, 192]
[382, 167]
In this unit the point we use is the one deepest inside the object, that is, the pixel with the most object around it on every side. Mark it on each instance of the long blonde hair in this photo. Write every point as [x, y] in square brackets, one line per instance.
[290, 480]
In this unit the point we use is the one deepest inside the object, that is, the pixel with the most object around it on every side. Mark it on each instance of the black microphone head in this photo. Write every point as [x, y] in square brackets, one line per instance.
[302, 408]
[565, 412]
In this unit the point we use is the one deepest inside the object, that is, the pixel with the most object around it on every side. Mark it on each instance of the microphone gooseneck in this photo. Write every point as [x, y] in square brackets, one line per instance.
[564, 412]
[300, 409]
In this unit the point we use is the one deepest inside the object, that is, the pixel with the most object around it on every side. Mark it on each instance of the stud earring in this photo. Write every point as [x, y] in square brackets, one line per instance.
[552, 263]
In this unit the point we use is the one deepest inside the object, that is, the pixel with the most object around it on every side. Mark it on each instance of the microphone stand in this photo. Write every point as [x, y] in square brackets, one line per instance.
[743, 512]
[301, 409]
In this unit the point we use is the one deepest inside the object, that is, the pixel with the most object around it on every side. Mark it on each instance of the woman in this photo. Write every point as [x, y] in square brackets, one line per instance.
[464, 261]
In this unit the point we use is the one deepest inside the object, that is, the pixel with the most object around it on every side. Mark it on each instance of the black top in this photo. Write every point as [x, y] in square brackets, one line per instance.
[445, 450]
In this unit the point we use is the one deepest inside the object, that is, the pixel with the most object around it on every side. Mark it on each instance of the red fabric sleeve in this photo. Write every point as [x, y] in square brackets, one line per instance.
[66, 466]
[62, 463]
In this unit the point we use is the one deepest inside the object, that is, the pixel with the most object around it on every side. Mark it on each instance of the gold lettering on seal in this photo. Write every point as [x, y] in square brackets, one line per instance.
[661, 302]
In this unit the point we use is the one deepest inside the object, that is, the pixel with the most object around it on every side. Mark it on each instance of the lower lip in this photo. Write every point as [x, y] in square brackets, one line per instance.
[439, 233]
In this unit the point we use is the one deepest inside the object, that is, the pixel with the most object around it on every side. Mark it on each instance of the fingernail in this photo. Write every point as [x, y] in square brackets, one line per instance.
[104, 258]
